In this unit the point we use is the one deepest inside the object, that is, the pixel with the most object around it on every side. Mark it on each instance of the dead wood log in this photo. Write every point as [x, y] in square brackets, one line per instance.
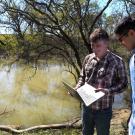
[12, 130]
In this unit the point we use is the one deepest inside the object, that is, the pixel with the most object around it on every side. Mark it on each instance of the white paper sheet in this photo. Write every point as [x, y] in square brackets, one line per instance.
[85, 93]
[88, 94]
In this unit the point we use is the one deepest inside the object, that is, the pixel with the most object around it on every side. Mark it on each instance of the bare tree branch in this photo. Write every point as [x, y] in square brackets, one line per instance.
[99, 15]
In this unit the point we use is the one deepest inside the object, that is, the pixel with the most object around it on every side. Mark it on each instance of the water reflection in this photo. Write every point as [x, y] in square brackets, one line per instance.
[38, 99]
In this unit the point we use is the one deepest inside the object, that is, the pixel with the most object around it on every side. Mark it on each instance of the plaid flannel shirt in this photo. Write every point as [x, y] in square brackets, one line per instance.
[108, 73]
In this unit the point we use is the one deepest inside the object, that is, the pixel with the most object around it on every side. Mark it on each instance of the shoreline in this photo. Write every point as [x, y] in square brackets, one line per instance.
[118, 126]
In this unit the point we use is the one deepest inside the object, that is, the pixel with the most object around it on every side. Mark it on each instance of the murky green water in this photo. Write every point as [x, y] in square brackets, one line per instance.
[39, 99]
[33, 99]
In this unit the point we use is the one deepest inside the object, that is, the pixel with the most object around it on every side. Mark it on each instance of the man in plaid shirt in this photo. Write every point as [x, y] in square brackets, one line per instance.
[125, 32]
[105, 71]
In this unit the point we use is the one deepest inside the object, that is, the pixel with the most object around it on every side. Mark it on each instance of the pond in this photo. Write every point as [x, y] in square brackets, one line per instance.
[31, 98]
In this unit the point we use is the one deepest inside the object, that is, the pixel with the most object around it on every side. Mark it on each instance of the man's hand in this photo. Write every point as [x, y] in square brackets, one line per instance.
[106, 91]
[70, 93]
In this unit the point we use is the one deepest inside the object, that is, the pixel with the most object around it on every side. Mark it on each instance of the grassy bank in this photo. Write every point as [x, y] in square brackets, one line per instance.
[118, 126]
[64, 132]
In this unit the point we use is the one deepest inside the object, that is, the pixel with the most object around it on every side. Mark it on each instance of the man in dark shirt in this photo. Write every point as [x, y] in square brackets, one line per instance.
[105, 71]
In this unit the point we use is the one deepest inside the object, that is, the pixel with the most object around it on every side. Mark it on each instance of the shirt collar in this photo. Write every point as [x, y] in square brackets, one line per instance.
[105, 57]
[133, 51]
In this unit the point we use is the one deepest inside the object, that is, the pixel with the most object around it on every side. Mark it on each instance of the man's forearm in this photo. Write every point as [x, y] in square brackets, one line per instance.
[118, 88]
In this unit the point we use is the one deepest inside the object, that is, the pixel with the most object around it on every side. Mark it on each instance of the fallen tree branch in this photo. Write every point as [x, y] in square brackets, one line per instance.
[12, 130]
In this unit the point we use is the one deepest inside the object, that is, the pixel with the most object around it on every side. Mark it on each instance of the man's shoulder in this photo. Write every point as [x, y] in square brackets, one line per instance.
[115, 57]
[91, 55]
[88, 58]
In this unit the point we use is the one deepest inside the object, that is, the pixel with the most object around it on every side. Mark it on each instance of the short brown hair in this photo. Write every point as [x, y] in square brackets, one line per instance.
[98, 34]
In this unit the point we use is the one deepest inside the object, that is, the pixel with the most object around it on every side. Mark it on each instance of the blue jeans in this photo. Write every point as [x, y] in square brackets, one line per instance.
[96, 118]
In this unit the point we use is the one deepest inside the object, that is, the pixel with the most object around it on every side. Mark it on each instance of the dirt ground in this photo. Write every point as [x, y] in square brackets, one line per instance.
[119, 121]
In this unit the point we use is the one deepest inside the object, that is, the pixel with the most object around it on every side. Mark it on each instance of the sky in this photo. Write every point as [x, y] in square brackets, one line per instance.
[113, 6]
